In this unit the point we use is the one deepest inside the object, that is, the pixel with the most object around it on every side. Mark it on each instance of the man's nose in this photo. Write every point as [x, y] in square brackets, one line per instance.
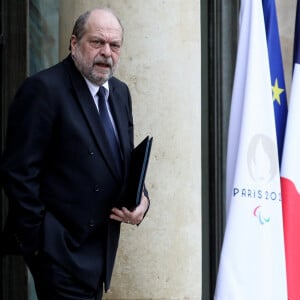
[105, 50]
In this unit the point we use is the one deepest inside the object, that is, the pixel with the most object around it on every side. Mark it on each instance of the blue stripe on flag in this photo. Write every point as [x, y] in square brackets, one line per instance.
[276, 69]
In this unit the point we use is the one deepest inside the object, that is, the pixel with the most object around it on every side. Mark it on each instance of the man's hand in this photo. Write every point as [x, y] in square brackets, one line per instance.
[134, 217]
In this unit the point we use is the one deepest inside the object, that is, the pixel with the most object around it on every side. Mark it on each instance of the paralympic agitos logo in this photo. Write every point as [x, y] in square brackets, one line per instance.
[260, 214]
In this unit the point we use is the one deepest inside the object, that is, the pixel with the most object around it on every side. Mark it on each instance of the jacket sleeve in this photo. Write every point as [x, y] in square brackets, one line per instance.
[29, 130]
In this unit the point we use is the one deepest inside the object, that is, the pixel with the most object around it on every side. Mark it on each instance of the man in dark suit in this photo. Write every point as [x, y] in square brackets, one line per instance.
[60, 170]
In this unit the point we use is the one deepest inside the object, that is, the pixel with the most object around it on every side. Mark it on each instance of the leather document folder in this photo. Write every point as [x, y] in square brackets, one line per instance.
[138, 167]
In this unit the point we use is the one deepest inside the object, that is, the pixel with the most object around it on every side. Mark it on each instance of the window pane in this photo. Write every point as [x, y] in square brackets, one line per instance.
[43, 34]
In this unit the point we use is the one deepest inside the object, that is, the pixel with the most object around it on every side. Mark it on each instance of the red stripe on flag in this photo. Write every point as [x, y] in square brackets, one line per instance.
[291, 223]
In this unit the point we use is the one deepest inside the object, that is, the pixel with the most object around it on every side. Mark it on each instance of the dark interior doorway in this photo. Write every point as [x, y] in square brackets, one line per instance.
[14, 53]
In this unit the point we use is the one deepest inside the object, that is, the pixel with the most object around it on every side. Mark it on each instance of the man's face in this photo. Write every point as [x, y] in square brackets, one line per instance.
[97, 53]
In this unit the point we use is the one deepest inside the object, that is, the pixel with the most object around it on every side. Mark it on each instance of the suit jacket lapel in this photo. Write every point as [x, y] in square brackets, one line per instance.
[86, 102]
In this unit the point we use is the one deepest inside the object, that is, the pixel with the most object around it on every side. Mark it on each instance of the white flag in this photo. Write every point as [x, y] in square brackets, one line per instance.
[252, 263]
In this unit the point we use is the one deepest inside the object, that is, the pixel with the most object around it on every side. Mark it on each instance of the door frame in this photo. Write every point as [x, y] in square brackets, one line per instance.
[14, 65]
[219, 31]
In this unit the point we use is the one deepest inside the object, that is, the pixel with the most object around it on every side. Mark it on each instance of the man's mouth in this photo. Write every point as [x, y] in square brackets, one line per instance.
[103, 65]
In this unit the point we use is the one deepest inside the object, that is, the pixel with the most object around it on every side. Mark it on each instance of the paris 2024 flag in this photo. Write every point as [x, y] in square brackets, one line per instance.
[252, 263]
[290, 176]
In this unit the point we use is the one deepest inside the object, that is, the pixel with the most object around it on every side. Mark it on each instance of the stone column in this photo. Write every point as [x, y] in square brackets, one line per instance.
[160, 61]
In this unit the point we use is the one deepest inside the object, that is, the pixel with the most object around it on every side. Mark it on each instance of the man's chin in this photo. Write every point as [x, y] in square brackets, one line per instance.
[99, 80]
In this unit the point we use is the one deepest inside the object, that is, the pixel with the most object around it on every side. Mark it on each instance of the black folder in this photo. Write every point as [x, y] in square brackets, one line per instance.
[137, 172]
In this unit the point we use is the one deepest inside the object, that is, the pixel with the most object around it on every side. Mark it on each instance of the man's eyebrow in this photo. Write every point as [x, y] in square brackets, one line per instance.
[93, 35]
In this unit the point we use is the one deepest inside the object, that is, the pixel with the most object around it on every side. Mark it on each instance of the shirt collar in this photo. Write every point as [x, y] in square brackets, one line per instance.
[94, 88]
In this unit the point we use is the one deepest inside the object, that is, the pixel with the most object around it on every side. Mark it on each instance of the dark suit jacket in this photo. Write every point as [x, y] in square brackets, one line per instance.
[58, 173]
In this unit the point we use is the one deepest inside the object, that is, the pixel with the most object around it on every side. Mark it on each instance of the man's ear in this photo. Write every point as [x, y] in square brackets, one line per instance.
[73, 43]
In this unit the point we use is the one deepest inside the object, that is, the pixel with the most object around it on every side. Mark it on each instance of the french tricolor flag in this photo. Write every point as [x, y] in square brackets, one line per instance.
[290, 176]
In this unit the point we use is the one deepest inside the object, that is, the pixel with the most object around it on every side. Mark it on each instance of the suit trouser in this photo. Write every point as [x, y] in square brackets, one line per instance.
[53, 282]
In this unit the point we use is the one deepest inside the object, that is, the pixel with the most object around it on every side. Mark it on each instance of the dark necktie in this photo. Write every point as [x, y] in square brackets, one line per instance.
[109, 129]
